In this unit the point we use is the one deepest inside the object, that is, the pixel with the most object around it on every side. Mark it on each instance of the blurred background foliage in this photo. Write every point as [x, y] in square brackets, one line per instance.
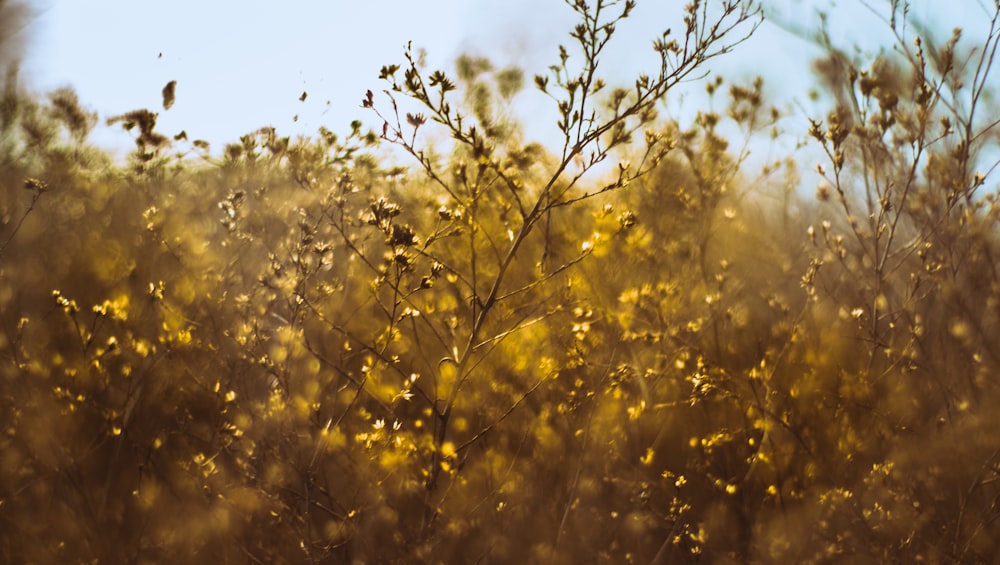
[300, 350]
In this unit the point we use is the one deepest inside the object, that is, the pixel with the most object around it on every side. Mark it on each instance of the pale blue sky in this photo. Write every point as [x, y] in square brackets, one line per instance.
[243, 64]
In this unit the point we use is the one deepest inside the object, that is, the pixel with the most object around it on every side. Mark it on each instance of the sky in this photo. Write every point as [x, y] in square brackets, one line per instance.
[241, 65]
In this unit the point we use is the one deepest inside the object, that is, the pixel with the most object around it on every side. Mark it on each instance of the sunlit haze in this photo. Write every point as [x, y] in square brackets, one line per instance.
[243, 65]
[559, 288]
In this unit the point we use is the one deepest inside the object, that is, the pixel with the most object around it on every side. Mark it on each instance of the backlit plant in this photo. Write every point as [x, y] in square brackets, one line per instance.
[436, 341]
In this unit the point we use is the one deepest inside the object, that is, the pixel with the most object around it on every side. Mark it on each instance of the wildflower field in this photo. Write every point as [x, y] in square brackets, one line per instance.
[427, 339]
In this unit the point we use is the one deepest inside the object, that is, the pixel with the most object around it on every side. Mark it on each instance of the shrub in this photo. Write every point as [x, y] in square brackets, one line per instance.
[629, 348]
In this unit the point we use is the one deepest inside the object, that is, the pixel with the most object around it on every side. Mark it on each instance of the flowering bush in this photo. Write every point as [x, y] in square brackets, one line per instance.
[627, 349]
